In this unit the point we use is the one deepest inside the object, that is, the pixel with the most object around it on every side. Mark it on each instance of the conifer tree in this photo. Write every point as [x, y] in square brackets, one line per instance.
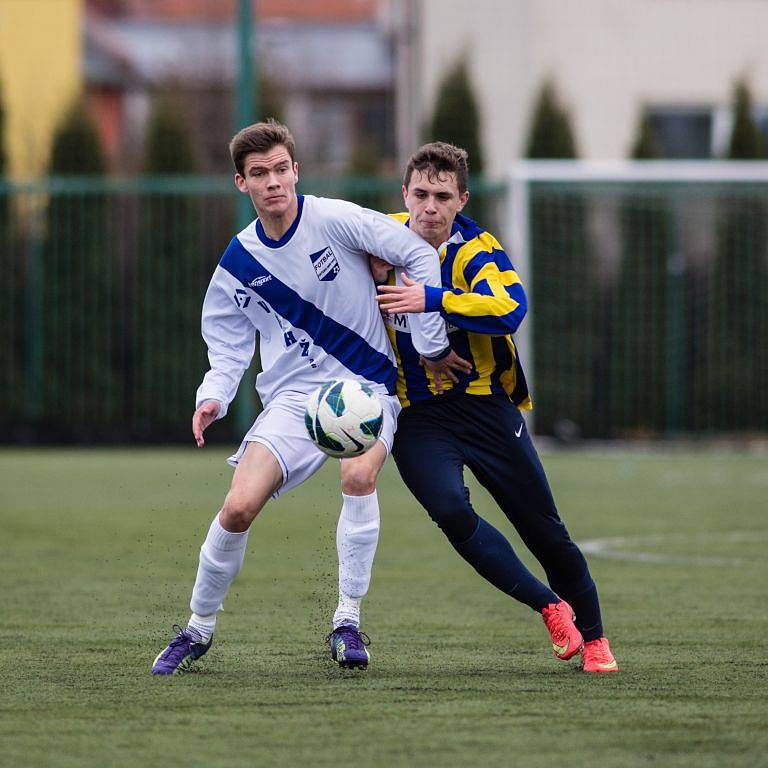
[457, 120]
[638, 327]
[79, 275]
[565, 292]
[10, 268]
[168, 271]
[737, 316]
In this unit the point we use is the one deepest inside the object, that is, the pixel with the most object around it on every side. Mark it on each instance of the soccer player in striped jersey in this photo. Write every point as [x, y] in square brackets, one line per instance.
[478, 423]
[298, 275]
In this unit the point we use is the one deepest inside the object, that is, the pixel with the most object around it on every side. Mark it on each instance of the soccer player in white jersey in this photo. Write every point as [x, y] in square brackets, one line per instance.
[299, 276]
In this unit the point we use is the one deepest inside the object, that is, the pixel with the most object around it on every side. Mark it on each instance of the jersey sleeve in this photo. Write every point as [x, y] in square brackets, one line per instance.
[231, 340]
[384, 237]
[491, 298]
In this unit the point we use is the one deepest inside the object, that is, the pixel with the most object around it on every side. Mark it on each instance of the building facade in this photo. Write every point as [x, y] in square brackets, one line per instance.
[611, 60]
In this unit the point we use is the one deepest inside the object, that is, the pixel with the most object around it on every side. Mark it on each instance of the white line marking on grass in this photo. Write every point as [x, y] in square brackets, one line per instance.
[614, 547]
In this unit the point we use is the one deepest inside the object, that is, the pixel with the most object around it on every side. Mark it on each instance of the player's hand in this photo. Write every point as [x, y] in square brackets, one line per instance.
[408, 297]
[379, 269]
[446, 367]
[202, 418]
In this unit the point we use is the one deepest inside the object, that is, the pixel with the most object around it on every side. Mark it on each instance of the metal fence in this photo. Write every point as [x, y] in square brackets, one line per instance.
[648, 289]
[103, 281]
[649, 297]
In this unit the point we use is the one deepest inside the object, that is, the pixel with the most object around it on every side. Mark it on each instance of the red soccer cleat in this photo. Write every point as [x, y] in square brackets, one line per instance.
[566, 639]
[598, 657]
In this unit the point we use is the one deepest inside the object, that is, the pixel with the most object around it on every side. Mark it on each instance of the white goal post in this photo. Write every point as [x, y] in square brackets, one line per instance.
[516, 218]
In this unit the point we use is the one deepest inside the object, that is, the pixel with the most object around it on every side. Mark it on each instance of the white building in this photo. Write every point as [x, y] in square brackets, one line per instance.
[610, 60]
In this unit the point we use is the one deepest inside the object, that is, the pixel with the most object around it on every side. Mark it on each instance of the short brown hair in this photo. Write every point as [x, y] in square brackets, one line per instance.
[436, 158]
[260, 137]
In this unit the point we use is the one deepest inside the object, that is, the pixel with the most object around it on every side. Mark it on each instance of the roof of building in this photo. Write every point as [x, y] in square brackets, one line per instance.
[131, 53]
[196, 11]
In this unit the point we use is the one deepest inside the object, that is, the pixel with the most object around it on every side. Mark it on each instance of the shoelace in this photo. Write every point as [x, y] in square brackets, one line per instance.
[352, 637]
[559, 629]
[183, 635]
[599, 652]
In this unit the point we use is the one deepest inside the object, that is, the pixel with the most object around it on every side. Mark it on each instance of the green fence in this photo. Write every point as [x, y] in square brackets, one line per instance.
[649, 303]
[103, 280]
[650, 307]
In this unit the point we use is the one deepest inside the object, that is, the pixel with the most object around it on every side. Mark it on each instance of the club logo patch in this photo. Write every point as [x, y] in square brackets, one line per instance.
[325, 264]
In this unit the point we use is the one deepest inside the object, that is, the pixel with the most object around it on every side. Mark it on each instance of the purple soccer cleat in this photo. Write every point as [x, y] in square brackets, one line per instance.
[348, 647]
[186, 648]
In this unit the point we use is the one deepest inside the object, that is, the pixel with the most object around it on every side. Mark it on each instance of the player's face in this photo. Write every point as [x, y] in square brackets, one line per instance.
[269, 179]
[433, 204]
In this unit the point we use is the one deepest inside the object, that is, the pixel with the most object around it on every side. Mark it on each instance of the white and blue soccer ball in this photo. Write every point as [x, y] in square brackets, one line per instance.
[344, 418]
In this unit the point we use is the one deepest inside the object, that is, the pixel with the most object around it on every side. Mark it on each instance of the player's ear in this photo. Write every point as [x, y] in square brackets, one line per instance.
[296, 170]
[405, 193]
[463, 198]
[240, 184]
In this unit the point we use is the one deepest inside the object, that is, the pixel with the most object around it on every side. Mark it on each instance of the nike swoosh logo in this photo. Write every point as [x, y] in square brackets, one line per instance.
[360, 447]
[560, 648]
[519, 431]
[610, 665]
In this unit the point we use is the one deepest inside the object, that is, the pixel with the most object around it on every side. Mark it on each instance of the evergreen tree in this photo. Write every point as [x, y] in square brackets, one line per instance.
[10, 315]
[456, 120]
[736, 395]
[747, 141]
[565, 291]
[169, 270]
[79, 275]
[638, 328]
[551, 136]
[269, 100]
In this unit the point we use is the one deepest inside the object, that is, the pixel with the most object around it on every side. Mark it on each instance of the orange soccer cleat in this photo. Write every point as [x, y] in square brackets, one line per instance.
[566, 639]
[598, 657]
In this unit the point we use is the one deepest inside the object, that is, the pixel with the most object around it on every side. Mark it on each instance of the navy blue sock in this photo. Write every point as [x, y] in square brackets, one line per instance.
[492, 556]
[582, 596]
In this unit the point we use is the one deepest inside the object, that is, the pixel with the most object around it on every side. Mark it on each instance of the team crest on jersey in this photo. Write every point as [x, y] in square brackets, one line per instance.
[325, 264]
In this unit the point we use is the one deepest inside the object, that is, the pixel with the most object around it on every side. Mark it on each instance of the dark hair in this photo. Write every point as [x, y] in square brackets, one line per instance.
[260, 137]
[436, 158]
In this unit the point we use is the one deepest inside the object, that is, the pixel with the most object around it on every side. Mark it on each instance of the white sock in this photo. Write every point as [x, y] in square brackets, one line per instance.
[203, 625]
[356, 538]
[221, 558]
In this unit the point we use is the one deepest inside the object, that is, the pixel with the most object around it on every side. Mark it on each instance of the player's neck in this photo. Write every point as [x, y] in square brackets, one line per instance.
[275, 226]
[438, 239]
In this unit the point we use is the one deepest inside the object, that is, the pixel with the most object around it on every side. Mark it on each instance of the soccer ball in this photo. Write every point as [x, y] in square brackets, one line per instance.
[343, 418]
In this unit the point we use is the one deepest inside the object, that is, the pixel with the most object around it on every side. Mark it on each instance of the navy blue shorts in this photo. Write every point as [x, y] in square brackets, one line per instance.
[436, 439]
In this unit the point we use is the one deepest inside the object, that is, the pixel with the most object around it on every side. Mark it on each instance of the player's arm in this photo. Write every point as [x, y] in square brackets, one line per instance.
[231, 340]
[389, 240]
[495, 302]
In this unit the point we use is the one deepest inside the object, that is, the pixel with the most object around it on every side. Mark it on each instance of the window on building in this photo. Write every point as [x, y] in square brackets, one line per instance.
[683, 132]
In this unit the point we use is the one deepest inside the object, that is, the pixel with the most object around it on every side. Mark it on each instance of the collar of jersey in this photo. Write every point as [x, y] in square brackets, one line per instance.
[268, 241]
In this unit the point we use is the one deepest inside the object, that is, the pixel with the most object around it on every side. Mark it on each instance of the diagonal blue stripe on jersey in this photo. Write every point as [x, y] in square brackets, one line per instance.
[348, 347]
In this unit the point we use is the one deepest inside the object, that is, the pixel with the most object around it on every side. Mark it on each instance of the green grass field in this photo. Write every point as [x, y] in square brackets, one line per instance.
[99, 551]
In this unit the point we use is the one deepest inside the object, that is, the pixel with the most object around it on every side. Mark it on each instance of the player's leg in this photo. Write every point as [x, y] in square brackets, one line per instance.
[357, 535]
[431, 461]
[257, 477]
[509, 467]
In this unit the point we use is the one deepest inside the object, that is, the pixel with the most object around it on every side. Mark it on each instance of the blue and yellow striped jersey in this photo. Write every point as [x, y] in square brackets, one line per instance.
[483, 303]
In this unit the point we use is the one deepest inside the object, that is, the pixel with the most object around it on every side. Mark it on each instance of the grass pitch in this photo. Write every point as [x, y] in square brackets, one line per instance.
[99, 550]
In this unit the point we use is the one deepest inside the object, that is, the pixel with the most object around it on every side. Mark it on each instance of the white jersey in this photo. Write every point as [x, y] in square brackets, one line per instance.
[310, 296]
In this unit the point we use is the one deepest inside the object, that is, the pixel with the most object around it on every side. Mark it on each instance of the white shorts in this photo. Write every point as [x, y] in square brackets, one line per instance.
[280, 428]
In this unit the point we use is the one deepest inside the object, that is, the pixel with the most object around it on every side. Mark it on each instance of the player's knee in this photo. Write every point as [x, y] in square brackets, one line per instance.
[238, 512]
[452, 513]
[357, 478]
